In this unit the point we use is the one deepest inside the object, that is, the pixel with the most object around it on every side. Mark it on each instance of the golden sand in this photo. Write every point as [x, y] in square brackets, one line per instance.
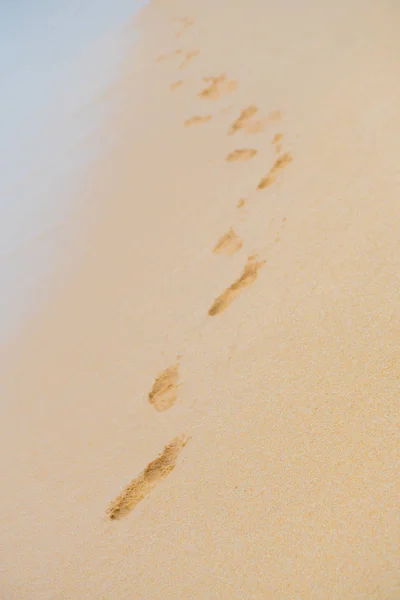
[288, 376]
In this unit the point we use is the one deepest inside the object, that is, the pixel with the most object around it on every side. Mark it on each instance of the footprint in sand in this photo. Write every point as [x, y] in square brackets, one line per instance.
[247, 123]
[217, 87]
[277, 138]
[274, 116]
[245, 115]
[248, 277]
[280, 163]
[176, 84]
[258, 125]
[197, 120]
[255, 126]
[228, 244]
[186, 22]
[276, 142]
[188, 57]
[169, 55]
[152, 475]
[164, 390]
[241, 155]
[241, 203]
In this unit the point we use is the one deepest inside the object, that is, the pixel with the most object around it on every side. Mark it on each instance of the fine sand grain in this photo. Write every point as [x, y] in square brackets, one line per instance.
[288, 369]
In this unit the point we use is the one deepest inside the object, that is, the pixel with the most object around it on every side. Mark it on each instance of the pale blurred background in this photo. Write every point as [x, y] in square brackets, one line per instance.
[56, 58]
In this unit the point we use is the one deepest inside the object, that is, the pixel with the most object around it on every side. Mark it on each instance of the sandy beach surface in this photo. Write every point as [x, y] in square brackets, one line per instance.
[206, 406]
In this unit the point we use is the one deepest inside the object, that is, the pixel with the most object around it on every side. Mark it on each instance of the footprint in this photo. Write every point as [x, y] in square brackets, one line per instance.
[163, 392]
[258, 125]
[280, 163]
[277, 138]
[176, 84]
[241, 154]
[167, 56]
[276, 142]
[140, 487]
[186, 22]
[241, 203]
[217, 87]
[189, 55]
[274, 116]
[248, 277]
[242, 119]
[250, 125]
[197, 120]
[228, 244]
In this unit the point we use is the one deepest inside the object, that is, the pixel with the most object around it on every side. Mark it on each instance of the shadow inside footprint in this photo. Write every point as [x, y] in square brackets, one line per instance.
[242, 119]
[164, 391]
[217, 87]
[228, 243]
[142, 485]
[248, 124]
[188, 57]
[241, 155]
[185, 22]
[197, 120]
[176, 84]
[280, 163]
[248, 277]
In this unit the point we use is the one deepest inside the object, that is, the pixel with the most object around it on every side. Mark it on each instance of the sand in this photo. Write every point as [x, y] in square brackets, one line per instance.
[155, 447]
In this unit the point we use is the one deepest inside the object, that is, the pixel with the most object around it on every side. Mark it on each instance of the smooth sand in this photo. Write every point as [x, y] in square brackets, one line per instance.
[249, 452]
